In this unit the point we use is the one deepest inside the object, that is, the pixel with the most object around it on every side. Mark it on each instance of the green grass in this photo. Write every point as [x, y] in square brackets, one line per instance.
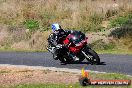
[19, 50]
[77, 85]
[121, 20]
[31, 24]
[41, 86]
[109, 51]
[122, 52]
[2, 72]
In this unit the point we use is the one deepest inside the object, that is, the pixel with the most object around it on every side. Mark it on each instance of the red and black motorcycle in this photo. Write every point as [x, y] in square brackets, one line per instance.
[76, 43]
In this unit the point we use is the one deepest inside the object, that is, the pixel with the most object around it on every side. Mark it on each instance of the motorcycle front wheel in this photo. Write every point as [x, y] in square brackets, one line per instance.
[91, 56]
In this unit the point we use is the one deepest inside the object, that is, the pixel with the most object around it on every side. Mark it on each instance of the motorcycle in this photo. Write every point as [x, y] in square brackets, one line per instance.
[76, 44]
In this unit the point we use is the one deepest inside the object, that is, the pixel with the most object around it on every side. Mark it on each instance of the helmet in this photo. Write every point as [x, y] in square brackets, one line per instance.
[55, 27]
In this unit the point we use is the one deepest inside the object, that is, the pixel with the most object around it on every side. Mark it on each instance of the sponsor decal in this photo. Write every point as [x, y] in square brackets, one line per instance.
[85, 80]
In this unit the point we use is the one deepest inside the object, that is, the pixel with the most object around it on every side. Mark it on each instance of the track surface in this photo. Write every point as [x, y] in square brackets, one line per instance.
[110, 63]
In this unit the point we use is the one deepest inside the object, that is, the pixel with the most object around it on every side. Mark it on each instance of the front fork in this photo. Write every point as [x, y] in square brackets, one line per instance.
[84, 51]
[87, 56]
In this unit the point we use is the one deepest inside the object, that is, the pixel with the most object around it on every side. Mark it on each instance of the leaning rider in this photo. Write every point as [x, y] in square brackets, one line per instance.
[57, 34]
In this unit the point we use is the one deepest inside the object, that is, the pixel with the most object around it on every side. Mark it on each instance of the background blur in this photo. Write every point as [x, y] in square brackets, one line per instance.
[26, 24]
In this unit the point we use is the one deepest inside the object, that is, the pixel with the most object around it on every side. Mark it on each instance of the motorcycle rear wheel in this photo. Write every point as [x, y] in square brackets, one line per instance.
[64, 60]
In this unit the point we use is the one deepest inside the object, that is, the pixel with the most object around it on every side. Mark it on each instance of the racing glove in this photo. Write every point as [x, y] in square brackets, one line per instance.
[59, 46]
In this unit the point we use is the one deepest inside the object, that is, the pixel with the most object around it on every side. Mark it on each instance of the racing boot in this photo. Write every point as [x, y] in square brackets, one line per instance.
[55, 57]
[55, 54]
[75, 58]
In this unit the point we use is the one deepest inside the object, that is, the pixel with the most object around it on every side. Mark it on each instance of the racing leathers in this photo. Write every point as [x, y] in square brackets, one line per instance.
[55, 40]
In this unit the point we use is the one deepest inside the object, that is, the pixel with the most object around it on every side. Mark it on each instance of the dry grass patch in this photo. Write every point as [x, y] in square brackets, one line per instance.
[11, 76]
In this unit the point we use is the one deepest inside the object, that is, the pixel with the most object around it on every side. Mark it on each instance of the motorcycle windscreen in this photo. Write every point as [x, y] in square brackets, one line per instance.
[77, 37]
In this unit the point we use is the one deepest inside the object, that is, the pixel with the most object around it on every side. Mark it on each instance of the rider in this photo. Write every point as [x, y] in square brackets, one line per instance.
[57, 34]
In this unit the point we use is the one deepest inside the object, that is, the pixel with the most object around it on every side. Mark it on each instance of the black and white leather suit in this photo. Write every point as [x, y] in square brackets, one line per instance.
[54, 40]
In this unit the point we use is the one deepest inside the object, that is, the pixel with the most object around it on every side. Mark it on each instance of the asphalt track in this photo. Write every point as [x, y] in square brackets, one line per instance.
[109, 62]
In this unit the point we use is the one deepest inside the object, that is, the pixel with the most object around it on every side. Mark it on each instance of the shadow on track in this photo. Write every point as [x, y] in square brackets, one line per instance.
[87, 63]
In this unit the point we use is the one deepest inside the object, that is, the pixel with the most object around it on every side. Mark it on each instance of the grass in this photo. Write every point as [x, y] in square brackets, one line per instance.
[64, 86]
[117, 51]
[92, 76]
[69, 13]
[81, 15]
[101, 45]
[19, 50]
[109, 51]
[31, 24]
[25, 71]
[84, 15]
[77, 85]
[2, 71]
[121, 20]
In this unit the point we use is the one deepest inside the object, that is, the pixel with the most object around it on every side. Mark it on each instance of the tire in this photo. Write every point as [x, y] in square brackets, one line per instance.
[91, 56]
[95, 59]
[81, 57]
[64, 56]
[64, 60]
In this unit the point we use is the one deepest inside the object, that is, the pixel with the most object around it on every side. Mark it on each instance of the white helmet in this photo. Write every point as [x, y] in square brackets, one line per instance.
[55, 27]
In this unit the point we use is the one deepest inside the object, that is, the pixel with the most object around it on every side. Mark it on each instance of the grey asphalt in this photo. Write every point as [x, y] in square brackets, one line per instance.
[110, 63]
